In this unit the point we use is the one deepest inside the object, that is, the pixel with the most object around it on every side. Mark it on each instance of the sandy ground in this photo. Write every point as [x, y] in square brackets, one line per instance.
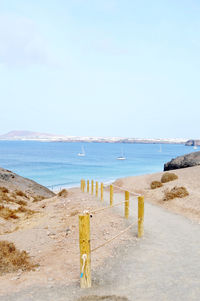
[51, 238]
[187, 177]
[163, 265]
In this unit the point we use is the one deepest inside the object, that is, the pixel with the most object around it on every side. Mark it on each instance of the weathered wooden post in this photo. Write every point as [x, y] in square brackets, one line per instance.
[88, 186]
[140, 216]
[83, 185]
[92, 187]
[97, 189]
[126, 208]
[111, 195]
[102, 192]
[85, 252]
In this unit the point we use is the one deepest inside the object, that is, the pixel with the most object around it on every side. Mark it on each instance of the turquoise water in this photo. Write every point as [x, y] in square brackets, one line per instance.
[57, 164]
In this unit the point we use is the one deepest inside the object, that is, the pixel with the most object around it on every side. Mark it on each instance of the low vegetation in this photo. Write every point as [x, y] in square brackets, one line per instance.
[7, 213]
[4, 189]
[156, 184]
[20, 193]
[11, 259]
[38, 198]
[19, 199]
[168, 176]
[175, 192]
[63, 193]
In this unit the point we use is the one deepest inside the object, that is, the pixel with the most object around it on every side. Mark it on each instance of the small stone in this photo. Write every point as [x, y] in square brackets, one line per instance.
[67, 231]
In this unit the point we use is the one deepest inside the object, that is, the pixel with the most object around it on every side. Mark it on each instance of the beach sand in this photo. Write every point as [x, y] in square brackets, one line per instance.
[50, 236]
[188, 177]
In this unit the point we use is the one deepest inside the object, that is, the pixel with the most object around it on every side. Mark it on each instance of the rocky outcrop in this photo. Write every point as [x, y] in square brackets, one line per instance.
[188, 160]
[193, 143]
[13, 181]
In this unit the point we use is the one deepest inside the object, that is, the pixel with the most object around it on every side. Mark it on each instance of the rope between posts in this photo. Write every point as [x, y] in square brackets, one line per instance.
[108, 207]
[126, 189]
[111, 239]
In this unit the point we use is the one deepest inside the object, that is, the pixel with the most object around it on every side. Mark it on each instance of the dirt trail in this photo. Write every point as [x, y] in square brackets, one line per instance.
[164, 265]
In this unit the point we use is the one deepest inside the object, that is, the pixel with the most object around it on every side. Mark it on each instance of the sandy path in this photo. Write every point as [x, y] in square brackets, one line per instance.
[164, 265]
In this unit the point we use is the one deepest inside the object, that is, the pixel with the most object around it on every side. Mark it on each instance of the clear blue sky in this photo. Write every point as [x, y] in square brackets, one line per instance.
[100, 67]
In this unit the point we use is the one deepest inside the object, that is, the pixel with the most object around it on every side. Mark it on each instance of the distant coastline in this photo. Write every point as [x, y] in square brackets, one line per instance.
[35, 136]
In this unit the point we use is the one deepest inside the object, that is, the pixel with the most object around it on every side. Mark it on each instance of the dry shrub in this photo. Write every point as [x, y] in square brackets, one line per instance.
[7, 213]
[38, 198]
[63, 193]
[11, 259]
[156, 184]
[176, 192]
[168, 176]
[22, 209]
[20, 193]
[4, 189]
[21, 202]
[7, 198]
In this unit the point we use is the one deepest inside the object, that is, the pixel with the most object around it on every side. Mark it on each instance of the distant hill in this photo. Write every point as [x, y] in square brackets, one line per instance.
[27, 135]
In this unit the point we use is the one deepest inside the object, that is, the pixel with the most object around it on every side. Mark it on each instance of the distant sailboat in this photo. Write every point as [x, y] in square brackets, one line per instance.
[122, 157]
[82, 154]
[160, 150]
[195, 147]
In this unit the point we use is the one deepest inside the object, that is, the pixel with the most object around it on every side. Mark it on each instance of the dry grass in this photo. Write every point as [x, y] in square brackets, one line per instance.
[7, 213]
[25, 210]
[20, 193]
[38, 198]
[21, 202]
[156, 184]
[11, 259]
[4, 189]
[175, 192]
[63, 193]
[168, 176]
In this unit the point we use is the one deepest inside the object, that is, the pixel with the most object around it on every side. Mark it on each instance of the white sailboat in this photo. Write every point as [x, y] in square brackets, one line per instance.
[82, 154]
[195, 147]
[122, 157]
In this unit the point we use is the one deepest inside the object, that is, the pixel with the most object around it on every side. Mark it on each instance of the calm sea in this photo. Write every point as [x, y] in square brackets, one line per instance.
[57, 164]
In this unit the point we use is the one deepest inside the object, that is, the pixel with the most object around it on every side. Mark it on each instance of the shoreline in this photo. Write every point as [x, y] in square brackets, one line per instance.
[187, 177]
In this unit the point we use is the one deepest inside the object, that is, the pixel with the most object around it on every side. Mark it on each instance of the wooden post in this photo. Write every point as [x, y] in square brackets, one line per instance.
[97, 188]
[111, 195]
[83, 185]
[88, 186]
[140, 216]
[85, 256]
[126, 208]
[102, 192]
[92, 187]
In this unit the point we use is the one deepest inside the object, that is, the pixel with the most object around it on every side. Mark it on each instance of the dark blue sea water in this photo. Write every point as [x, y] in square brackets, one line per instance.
[57, 164]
